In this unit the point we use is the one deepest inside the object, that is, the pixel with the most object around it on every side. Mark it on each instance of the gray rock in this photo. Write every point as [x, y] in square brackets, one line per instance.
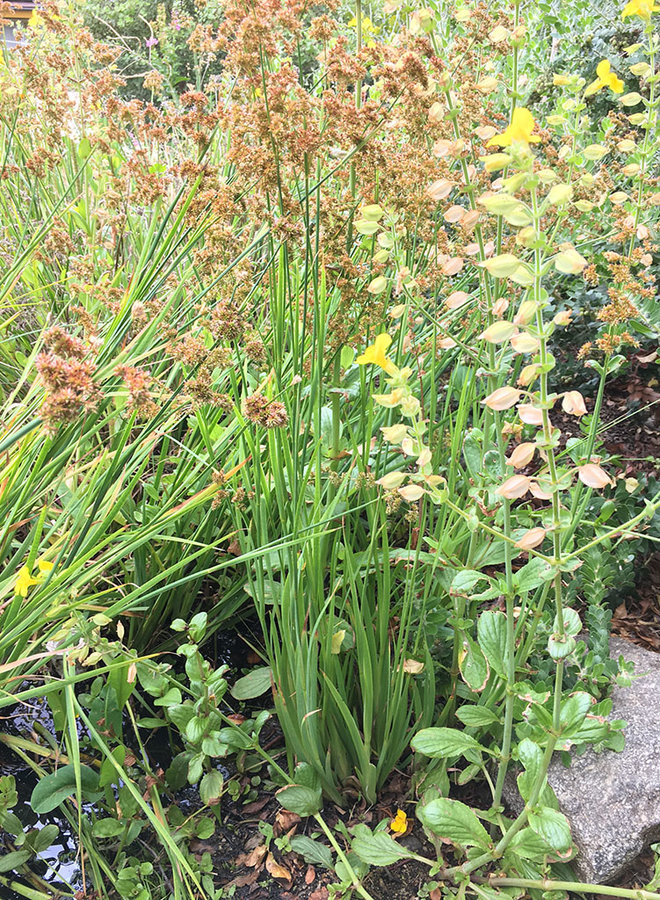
[612, 800]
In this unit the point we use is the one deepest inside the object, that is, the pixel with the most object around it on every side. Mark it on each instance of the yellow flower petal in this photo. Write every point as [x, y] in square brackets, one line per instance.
[641, 8]
[24, 582]
[519, 131]
[376, 354]
[399, 823]
[603, 69]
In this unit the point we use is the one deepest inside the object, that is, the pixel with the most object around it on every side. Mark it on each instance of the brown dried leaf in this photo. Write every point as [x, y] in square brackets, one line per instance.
[284, 820]
[256, 856]
[275, 869]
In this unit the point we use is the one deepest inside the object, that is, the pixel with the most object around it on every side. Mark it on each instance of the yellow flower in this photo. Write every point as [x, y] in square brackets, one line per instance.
[606, 78]
[376, 354]
[641, 8]
[399, 823]
[24, 582]
[518, 132]
[44, 566]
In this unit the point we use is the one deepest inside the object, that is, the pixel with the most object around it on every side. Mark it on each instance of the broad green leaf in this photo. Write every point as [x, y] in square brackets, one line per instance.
[560, 648]
[491, 634]
[529, 845]
[531, 756]
[499, 204]
[473, 451]
[379, 849]
[312, 851]
[107, 828]
[210, 787]
[378, 285]
[297, 798]
[84, 148]
[372, 212]
[532, 575]
[11, 861]
[347, 356]
[465, 580]
[304, 796]
[473, 665]
[108, 773]
[570, 262]
[442, 743]
[594, 151]
[56, 787]
[498, 332]
[559, 194]
[476, 716]
[455, 822]
[44, 838]
[252, 685]
[169, 698]
[552, 826]
[573, 712]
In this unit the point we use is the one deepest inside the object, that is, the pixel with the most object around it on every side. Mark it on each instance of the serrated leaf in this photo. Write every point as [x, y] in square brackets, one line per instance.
[552, 826]
[491, 634]
[455, 822]
[529, 845]
[532, 575]
[313, 852]
[379, 849]
[560, 648]
[443, 743]
[476, 716]
[304, 796]
[473, 665]
[574, 711]
[531, 756]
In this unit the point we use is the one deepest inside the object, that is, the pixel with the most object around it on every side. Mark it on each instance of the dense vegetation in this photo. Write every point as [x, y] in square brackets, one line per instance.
[308, 329]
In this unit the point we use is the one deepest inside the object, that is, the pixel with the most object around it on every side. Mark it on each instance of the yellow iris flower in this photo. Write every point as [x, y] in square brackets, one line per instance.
[377, 354]
[24, 581]
[641, 8]
[606, 78]
[519, 131]
[399, 823]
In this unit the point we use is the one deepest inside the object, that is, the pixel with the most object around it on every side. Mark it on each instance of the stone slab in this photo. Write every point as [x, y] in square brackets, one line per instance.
[612, 800]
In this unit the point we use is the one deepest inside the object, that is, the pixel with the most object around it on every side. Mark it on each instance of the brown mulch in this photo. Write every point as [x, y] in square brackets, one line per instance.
[638, 618]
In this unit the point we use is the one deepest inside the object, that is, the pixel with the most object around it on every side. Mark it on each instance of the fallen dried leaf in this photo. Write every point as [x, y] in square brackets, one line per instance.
[255, 806]
[255, 857]
[276, 870]
[310, 874]
[284, 820]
